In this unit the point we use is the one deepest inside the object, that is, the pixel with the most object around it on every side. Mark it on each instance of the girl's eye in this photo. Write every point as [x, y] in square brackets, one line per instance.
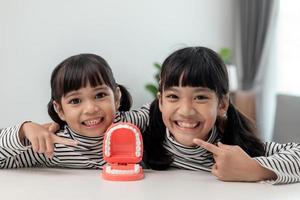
[100, 95]
[201, 97]
[172, 96]
[75, 101]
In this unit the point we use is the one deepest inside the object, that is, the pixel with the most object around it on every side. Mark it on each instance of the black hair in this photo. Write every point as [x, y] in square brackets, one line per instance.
[76, 72]
[198, 67]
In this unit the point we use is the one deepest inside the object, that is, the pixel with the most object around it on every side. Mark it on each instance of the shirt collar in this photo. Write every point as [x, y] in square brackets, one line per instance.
[84, 140]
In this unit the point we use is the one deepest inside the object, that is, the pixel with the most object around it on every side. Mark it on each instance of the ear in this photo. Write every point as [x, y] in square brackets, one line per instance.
[58, 109]
[158, 96]
[223, 106]
[118, 96]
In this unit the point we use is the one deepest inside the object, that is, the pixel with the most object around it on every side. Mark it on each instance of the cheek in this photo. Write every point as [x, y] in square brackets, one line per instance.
[70, 115]
[212, 115]
[110, 109]
[166, 116]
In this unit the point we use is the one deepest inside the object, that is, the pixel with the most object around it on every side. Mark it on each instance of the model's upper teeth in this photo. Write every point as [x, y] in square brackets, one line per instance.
[187, 125]
[92, 122]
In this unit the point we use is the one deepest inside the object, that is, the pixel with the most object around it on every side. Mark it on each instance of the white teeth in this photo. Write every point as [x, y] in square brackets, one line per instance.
[187, 125]
[135, 170]
[92, 122]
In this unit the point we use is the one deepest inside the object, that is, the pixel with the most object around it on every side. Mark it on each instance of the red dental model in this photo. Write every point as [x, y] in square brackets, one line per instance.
[122, 150]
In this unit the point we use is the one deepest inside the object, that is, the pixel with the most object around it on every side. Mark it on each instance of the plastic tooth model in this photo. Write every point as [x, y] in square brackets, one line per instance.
[123, 150]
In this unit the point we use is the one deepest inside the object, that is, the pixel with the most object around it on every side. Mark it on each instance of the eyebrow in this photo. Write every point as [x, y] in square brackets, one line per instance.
[101, 87]
[203, 90]
[197, 89]
[74, 93]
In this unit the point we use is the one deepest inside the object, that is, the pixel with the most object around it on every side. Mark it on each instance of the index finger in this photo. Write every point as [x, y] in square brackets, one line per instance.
[66, 141]
[208, 146]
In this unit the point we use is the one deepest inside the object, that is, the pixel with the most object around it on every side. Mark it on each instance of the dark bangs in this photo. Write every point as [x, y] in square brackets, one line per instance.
[195, 67]
[77, 71]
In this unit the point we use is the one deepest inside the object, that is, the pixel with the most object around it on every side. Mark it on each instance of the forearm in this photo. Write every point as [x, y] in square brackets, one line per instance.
[15, 154]
[10, 144]
[262, 173]
[283, 160]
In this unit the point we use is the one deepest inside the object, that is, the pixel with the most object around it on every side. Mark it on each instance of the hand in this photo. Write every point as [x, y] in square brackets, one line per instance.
[42, 138]
[232, 163]
[51, 127]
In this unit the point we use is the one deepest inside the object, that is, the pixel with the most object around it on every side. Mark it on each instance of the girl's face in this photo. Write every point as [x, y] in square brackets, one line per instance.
[89, 111]
[190, 112]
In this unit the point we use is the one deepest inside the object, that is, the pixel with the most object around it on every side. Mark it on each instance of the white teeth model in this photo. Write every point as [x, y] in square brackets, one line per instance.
[187, 125]
[135, 170]
[138, 148]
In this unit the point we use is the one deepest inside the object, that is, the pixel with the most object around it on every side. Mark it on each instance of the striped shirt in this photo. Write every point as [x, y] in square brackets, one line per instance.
[191, 158]
[86, 155]
[282, 159]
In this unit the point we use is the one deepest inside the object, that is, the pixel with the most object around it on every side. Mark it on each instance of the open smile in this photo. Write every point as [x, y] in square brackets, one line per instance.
[187, 125]
[91, 123]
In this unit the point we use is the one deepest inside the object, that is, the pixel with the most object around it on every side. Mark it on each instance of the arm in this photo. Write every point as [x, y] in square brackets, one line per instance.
[27, 144]
[283, 160]
[232, 163]
[139, 117]
[11, 147]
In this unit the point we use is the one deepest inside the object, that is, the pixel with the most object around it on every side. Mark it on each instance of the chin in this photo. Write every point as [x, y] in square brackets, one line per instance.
[91, 134]
[189, 144]
[185, 142]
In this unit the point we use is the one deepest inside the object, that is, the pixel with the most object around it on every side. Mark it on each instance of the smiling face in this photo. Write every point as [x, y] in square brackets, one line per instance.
[190, 112]
[89, 111]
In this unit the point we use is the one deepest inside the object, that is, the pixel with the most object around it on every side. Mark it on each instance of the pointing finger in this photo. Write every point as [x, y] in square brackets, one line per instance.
[208, 146]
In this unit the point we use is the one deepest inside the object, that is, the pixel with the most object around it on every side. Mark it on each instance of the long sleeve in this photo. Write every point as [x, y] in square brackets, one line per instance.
[86, 155]
[11, 148]
[139, 117]
[282, 159]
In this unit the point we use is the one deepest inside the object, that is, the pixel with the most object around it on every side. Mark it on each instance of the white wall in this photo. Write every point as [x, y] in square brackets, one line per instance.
[36, 35]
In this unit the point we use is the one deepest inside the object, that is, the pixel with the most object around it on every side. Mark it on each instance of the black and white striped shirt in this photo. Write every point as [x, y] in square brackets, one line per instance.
[191, 158]
[283, 159]
[86, 155]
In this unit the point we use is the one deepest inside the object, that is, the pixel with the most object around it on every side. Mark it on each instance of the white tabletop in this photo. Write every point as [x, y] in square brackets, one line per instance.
[56, 184]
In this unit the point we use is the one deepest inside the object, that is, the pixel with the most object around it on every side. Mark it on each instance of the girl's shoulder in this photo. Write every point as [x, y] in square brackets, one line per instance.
[143, 112]
[64, 132]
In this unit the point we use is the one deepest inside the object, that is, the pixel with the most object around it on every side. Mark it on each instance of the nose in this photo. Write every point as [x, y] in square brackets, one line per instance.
[186, 108]
[91, 107]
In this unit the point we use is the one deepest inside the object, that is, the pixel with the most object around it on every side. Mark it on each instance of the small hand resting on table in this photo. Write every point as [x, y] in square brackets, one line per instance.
[42, 138]
[232, 163]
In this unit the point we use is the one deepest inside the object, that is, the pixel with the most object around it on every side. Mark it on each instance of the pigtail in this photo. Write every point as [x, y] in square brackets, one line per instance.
[156, 156]
[126, 99]
[53, 114]
[240, 130]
